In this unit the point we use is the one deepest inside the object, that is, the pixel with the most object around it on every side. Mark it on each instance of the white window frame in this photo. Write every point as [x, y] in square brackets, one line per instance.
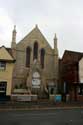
[2, 65]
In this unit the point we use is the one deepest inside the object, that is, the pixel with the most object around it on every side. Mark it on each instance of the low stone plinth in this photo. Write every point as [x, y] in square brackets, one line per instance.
[19, 91]
[23, 97]
[51, 97]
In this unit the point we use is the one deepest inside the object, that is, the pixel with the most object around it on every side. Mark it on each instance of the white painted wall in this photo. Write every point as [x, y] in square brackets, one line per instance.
[81, 70]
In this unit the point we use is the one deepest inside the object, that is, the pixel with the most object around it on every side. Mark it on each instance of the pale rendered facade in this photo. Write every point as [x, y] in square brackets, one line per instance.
[6, 71]
[81, 70]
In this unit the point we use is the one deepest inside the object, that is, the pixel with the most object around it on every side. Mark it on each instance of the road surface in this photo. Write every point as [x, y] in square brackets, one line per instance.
[42, 117]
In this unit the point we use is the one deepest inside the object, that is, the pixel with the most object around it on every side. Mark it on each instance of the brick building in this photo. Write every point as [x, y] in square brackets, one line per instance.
[69, 71]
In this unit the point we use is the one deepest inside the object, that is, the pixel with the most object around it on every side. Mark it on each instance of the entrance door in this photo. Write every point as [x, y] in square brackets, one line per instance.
[3, 86]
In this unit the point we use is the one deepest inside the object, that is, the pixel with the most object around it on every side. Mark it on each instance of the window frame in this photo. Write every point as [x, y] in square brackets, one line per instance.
[2, 65]
[35, 50]
[28, 56]
[42, 57]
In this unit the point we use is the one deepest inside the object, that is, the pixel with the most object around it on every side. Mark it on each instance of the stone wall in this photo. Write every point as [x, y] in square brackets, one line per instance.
[50, 71]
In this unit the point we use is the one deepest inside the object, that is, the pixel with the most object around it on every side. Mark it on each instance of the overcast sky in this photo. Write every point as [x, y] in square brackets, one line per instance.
[63, 17]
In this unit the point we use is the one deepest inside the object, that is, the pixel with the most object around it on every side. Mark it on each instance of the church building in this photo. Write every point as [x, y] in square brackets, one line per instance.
[36, 66]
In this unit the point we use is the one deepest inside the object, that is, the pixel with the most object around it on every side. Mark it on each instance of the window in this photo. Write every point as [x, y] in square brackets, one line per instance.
[28, 53]
[35, 51]
[42, 54]
[2, 65]
[80, 89]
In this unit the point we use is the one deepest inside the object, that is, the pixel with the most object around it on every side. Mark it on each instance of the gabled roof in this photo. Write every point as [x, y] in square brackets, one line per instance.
[73, 55]
[37, 31]
[6, 54]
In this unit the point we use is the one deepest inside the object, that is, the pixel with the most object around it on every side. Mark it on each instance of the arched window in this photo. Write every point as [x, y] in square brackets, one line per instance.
[28, 53]
[42, 54]
[35, 51]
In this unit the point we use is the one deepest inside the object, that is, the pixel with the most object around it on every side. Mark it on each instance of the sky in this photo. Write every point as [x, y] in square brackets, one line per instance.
[63, 17]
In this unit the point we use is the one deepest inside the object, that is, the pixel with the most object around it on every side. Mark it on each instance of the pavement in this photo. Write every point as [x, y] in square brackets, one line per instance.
[39, 105]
